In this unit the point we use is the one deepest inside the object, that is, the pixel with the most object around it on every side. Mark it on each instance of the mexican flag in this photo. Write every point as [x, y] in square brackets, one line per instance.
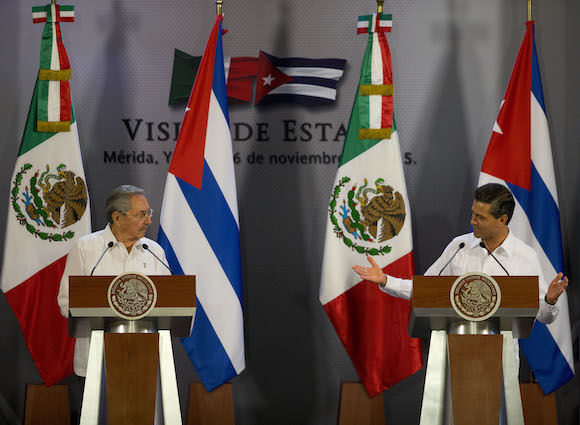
[49, 209]
[369, 215]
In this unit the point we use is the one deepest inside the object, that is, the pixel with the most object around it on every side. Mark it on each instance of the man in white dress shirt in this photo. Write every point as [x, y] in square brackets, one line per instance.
[123, 243]
[492, 211]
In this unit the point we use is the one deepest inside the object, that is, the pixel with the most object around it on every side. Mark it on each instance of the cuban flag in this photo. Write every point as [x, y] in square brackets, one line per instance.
[199, 227]
[305, 81]
[519, 155]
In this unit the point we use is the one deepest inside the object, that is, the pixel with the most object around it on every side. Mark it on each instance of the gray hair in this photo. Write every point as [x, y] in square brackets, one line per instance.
[120, 200]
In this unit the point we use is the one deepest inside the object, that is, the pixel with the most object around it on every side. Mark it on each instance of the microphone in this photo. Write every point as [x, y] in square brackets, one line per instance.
[481, 244]
[461, 245]
[146, 247]
[109, 245]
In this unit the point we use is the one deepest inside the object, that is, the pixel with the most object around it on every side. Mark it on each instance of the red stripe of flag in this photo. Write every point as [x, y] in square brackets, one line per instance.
[379, 317]
[387, 101]
[188, 158]
[514, 145]
[242, 71]
[65, 102]
[44, 328]
[62, 56]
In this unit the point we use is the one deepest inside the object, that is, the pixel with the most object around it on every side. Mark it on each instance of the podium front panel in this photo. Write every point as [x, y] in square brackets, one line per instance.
[89, 308]
[432, 309]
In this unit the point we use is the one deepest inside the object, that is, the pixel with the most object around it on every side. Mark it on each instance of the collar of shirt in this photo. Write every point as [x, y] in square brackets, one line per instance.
[506, 248]
[110, 236]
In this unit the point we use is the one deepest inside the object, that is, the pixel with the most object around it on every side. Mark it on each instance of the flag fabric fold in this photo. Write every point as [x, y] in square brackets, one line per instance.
[53, 101]
[199, 227]
[49, 209]
[298, 80]
[519, 156]
[240, 72]
[369, 214]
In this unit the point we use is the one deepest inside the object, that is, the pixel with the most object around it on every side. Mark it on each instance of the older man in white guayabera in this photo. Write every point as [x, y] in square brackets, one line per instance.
[118, 248]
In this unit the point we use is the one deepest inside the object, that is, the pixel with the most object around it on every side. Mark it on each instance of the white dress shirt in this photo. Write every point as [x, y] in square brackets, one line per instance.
[518, 258]
[85, 254]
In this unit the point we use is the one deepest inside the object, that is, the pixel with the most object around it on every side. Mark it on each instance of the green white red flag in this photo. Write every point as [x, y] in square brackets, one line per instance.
[369, 214]
[49, 209]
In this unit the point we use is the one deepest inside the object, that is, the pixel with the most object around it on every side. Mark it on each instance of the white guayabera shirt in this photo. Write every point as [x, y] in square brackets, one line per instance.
[85, 254]
[518, 258]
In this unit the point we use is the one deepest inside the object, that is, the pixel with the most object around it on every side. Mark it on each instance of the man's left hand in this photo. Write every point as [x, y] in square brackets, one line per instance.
[556, 288]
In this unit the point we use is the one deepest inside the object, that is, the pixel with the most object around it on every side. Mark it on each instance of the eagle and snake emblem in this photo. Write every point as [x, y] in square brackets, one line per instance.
[369, 216]
[132, 295]
[475, 296]
[50, 201]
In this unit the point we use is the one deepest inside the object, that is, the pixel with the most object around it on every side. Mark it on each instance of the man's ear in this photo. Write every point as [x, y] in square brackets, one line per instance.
[116, 216]
[504, 219]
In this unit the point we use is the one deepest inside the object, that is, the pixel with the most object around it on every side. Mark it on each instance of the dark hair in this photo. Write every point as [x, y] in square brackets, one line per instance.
[120, 200]
[501, 199]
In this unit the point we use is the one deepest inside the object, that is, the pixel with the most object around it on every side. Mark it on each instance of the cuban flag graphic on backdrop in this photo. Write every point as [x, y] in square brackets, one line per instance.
[519, 155]
[309, 82]
[199, 227]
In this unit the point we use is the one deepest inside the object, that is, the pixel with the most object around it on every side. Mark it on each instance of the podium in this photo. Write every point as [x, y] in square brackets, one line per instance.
[139, 373]
[471, 370]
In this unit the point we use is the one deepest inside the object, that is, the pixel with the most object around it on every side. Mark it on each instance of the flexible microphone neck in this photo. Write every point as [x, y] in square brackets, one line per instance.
[146, 247]
[481, 244]
[109, 245]
[461, 245]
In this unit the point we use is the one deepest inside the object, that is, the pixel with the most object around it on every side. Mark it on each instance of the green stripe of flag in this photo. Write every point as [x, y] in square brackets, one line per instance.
[359, 116]
[46, 46]
[42, 106]
[383, 17]
[353, 146]
[365, 78]
[31, 137]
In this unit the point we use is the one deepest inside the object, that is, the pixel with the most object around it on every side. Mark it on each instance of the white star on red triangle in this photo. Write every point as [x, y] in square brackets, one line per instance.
[268, 80]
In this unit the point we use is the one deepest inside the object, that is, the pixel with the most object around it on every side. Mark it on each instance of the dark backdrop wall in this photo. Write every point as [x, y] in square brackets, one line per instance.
[452, 61]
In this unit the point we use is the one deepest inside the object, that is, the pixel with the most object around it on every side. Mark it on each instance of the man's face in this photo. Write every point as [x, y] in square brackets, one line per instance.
[485, 225]
[130, 224]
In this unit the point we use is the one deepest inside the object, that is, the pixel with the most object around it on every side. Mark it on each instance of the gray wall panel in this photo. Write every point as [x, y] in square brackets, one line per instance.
[452, 61]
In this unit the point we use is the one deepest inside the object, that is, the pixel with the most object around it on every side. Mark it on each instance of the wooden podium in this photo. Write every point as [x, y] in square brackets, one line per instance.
[139, 377]
[474, 348]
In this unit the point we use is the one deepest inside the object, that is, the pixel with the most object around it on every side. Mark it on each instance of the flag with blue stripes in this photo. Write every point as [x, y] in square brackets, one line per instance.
[298, 80]
[519, 155]
[199, 227]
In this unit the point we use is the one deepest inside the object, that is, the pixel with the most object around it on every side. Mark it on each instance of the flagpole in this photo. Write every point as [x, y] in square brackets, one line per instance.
[529, 10]
[380, 6]
[218, 4]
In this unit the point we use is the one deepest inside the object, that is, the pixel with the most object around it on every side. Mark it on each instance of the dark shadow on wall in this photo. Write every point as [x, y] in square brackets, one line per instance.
[564, 133]
[280, 289]
[448, 175]
[568, 150]
[113, 82]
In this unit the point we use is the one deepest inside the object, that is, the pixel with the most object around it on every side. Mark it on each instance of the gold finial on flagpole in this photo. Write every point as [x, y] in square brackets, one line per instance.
[380, 6]
[219, 4]
[529, 10]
